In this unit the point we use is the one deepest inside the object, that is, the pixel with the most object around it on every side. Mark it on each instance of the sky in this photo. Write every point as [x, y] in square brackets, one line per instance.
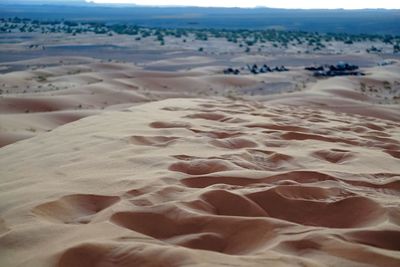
[306, 4]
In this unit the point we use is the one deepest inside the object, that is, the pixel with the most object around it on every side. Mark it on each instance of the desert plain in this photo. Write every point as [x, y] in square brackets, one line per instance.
[123, 151]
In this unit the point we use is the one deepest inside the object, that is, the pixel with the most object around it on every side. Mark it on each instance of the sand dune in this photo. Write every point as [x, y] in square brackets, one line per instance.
[55, 85]
[77, 84]
[204, 183]
[304, 178]
[142, 153]
[374, 95]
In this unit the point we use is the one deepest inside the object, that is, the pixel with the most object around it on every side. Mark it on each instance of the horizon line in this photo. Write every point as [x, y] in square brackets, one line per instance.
[91, 2]
[237, 7]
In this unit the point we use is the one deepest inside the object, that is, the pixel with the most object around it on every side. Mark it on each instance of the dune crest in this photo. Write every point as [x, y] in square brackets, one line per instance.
[204, 182]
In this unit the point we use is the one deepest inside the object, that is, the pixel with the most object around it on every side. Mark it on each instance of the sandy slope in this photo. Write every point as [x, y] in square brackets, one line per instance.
[49, 93]
[52, 91]
[204, 183]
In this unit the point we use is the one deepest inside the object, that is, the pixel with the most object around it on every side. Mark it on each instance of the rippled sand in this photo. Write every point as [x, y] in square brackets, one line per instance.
[205, 183]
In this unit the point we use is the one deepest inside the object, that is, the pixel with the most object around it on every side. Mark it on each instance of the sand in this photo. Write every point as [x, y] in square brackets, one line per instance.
[48, 92]
[202, 182]
[165, 161]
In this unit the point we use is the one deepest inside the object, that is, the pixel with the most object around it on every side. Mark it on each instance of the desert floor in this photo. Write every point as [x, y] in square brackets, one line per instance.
[134, 157]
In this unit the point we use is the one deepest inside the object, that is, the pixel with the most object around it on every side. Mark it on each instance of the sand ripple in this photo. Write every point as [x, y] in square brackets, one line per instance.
[205, 183]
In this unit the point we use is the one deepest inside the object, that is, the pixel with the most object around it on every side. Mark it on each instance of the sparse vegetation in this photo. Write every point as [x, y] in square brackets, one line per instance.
[363, 87]
[387, 85]
[396, 48]
[374, 49]
[241, 37]
[41, 78]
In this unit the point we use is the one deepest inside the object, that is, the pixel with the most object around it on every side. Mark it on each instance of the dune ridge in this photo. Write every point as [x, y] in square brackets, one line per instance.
[41, 94]
[194, 182]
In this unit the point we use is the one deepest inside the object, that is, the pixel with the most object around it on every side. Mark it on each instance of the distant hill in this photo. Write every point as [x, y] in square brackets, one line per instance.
[371, 21]
[43, 2]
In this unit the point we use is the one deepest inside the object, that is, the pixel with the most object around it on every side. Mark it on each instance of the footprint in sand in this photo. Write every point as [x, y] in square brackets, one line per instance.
[158, 141]
[74, 209]
[333, 155]
[164, 124]
[201, 166]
